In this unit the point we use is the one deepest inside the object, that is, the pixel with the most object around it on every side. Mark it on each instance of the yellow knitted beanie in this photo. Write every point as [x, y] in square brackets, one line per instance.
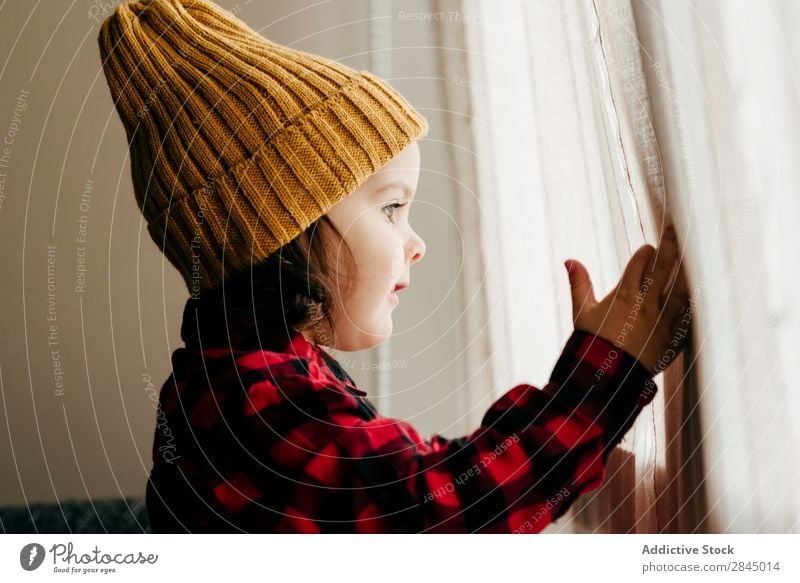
[237, 143]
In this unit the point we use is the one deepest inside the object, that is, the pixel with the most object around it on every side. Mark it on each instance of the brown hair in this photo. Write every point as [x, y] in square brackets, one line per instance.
[294, 288]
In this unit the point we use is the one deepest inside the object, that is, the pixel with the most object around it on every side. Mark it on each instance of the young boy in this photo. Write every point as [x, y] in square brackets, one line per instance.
[279, 184]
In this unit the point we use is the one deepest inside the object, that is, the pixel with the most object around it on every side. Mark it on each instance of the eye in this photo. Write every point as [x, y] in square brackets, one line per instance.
[392, 208]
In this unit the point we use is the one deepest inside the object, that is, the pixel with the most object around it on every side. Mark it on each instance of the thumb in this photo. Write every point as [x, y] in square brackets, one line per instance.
[580, 286]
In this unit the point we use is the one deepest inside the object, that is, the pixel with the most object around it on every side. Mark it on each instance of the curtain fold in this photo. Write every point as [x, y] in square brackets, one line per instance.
[723, 77]
[666, 485]
[594, 124]
[561, 114]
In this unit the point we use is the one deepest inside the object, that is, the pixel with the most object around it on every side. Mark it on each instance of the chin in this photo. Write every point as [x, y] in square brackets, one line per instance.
[373, 341]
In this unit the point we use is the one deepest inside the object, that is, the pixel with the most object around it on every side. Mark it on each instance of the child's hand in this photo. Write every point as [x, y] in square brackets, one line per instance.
[635, 316]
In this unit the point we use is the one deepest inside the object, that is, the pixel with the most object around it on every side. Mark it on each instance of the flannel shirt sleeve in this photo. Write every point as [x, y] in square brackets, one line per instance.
[535, 451]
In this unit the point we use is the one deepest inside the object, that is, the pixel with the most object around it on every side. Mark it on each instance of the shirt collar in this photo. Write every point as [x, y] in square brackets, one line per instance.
[207, 324]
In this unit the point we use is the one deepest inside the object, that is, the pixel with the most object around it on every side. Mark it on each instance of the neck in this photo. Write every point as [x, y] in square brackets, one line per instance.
[308, 336]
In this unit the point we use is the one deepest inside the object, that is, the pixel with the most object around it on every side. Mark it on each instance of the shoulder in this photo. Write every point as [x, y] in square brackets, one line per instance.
[306, 379]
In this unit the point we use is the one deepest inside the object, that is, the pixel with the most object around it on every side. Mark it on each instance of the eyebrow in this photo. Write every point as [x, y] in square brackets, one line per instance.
[397, 184]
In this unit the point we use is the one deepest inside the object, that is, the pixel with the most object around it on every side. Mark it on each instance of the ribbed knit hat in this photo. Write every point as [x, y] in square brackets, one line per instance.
[237, 143]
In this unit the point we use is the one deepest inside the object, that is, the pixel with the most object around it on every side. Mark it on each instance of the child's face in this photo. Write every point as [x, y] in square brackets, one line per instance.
[383, 245]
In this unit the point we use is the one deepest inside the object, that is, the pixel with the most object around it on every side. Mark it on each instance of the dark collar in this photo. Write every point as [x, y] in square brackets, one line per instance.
[207, 323]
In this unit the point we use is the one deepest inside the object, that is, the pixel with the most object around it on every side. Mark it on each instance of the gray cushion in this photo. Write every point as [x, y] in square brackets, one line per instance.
[112, 515]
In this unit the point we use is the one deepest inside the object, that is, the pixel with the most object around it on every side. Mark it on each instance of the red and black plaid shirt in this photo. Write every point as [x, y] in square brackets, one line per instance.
[256, 440]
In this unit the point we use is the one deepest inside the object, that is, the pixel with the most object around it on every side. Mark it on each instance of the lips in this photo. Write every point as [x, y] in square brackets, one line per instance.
[399, 286]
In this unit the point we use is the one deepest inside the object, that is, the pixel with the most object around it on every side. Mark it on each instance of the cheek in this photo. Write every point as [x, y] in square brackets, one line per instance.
[397, 253]
[377, 265]
[389, 259]
[378, 253]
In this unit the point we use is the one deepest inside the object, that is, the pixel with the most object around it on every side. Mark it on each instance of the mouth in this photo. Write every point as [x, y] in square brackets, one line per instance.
[398, 287]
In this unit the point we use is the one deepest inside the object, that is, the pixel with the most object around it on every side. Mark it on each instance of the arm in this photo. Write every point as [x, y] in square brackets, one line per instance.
[534, 453]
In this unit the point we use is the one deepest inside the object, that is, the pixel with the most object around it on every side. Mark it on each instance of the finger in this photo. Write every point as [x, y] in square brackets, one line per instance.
[675, 305]
[681, 283]
[679, 288]
[680, 328]
[672, 314]
[662, 263]
[631, 280]
[581, 289]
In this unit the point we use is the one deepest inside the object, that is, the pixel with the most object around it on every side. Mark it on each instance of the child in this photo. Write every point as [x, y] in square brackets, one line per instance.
[279, 184]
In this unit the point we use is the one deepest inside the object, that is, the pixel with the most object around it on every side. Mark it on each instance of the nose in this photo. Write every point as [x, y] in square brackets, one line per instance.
[416, 247]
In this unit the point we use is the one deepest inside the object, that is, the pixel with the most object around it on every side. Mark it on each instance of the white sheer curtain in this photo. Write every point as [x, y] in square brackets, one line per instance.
[724, 80]
[594, 124]
[568, 168]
